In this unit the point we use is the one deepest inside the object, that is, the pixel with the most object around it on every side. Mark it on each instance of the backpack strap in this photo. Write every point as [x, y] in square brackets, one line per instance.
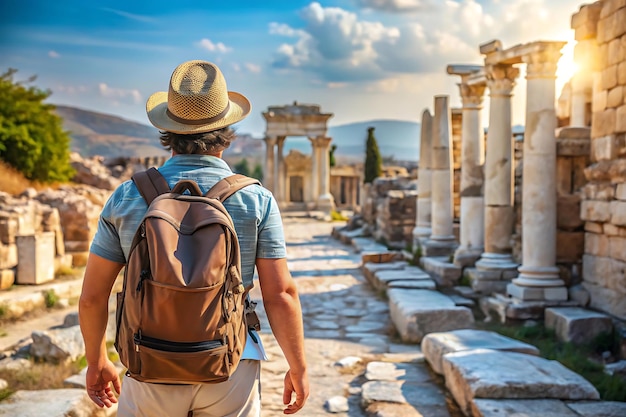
[229, 186]
[150, 184]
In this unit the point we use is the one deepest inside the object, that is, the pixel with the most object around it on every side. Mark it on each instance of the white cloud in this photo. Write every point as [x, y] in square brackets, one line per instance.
[213, 47]
[394, 5]
[254, 68]
[71, 89]
[131, 16]
[118, 94]
[54, 54]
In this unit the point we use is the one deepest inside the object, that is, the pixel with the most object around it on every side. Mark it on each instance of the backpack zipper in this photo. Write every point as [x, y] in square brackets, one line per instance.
[167, 346]
[142, 276]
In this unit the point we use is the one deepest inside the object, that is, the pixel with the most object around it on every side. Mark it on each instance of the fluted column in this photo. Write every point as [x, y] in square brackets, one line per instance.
[269, 174]
[279, 191]
[472, 233]
[422, 229]
[442, 178]
[498, 186]
[325, 200]
[539, 275]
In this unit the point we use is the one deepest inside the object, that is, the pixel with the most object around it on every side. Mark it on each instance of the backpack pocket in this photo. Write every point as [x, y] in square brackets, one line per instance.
[189, 362]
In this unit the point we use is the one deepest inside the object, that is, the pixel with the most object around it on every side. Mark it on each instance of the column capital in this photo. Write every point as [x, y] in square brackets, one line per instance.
[501, 79]
[542, 62]
[472, 95]
[321, 141]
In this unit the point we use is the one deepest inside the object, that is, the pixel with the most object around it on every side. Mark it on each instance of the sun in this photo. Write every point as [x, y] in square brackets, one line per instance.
[566, 67]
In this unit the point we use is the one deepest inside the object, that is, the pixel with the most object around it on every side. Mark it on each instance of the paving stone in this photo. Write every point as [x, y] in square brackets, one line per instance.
[525, 408]
[352, 312]
[322, 334]
[324, 325]
[382, 278]
[415, 313]
[388, 371]
[381, 409]
[486, 373]
[58, 402]
[349, 362]
[599, 408]
[367, 326]
[337, 404]
[435, 345]
[401, 392]
[577, 325]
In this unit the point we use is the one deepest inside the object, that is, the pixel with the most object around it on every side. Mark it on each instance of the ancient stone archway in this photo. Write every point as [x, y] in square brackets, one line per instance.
[298, 120]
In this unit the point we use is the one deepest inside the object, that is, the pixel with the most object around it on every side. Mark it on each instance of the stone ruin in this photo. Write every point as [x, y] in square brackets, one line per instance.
[51, 230]
[530, 220]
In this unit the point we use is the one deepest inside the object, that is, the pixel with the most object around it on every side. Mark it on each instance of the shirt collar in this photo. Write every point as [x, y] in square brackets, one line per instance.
[197, 160]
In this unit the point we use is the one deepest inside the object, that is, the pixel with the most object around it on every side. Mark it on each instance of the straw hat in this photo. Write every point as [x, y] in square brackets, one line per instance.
[198, 101]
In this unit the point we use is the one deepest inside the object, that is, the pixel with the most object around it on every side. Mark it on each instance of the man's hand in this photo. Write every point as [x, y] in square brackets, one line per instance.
[298, 385]
[99, 380]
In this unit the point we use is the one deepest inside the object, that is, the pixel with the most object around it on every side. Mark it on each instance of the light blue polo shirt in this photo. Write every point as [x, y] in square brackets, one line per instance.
[254, 211]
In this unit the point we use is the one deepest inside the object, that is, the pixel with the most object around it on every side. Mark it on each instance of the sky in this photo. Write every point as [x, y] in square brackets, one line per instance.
[358, 59]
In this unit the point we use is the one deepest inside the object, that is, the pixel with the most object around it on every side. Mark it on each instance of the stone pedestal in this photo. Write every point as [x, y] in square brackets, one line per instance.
[35, 258]
[325, 201]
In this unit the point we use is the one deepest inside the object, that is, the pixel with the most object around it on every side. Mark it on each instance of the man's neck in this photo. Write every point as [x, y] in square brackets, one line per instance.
[217, 154]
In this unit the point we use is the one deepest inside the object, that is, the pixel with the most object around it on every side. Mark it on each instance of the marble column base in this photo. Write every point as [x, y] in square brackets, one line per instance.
[537, 293]
[420, 235]
[497, 261]
[436, 247]
[326, 202]
[511, 311]
[464, 256]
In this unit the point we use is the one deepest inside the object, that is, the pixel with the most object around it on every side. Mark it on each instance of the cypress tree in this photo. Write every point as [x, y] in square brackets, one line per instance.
[373, 160]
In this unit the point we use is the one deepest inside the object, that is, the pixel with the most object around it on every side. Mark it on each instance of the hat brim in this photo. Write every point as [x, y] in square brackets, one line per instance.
[156, 108]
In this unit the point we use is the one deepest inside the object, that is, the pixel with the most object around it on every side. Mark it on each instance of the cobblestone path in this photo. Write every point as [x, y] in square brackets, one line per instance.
[343, 317]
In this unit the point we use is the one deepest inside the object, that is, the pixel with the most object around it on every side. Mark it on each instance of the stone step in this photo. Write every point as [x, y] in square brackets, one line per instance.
[445, 273]
[370, 269]
[397, 398]
[492, 374]
[367, 245]
[382, 278]
[436, 345]
[577, 325]
[416, 313]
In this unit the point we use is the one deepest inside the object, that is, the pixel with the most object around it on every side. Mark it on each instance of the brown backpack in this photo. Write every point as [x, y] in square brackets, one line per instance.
[180, 315]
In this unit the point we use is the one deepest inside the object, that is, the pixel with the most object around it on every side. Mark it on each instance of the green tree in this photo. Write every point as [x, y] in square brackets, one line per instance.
[32, 138]
[331, 155]
[373, 160]
[242, 167]
[257, 172]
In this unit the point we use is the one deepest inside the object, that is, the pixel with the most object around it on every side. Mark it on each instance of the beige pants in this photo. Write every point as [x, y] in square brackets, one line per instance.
[238, 397]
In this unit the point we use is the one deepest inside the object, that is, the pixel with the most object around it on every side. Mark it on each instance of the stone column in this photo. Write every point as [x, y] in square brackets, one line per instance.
[314, 193]
[441, 241]
[279, 191]
[422, 229]
[539, 276]
[498, 186]
[325, 201]
[269, 174]
[472, 233]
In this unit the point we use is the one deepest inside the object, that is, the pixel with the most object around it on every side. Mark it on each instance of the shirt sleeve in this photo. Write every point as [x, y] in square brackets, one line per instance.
[106, 242]
[271, 242]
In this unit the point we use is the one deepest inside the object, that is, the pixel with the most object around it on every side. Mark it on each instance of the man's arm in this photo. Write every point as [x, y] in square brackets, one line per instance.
[282, 305]
[93, 313]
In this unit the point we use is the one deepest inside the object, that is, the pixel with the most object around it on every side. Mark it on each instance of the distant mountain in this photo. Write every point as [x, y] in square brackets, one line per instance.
[396, 138]
[102, 134]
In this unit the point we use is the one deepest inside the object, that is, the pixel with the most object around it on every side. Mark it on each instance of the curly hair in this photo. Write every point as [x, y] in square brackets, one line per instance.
[198, 143]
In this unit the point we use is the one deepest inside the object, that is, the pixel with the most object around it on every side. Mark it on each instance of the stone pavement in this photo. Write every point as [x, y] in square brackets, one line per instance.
[356, 362]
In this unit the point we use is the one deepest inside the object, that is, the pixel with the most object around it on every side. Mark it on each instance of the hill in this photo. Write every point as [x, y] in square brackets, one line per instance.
[107, 135]
[102, 134]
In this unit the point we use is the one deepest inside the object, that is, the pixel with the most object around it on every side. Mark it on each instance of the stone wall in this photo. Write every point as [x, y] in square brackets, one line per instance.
[603, 206]
[388, 208]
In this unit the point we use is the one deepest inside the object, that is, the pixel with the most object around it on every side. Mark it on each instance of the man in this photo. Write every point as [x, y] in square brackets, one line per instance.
[194, 118]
